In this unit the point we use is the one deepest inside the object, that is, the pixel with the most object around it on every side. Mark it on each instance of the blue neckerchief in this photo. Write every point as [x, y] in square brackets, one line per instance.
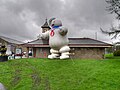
[55, 27]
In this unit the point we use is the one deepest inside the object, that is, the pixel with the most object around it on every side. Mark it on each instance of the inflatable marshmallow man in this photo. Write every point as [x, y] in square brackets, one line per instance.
[58, 40]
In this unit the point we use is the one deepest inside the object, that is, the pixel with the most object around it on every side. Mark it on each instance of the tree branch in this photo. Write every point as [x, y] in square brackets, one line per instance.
[114, 32]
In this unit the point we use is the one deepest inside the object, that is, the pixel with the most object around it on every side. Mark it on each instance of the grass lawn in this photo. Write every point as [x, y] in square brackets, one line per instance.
[44, 74]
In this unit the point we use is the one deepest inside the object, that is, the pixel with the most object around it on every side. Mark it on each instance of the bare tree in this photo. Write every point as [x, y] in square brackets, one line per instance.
[113, 8]
[113, 31]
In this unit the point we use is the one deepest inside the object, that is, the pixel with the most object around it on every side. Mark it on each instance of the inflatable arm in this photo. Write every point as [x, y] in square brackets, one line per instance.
[45, 35]
[63, 31]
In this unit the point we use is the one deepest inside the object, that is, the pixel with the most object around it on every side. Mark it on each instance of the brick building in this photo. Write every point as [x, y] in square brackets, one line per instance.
[11, 44]
[84, 48]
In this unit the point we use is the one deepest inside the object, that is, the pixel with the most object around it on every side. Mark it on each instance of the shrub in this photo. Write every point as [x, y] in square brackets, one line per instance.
[3, 50]
[116, 53]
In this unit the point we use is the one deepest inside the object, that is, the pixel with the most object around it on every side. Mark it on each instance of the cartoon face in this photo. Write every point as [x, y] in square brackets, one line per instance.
[55, 23]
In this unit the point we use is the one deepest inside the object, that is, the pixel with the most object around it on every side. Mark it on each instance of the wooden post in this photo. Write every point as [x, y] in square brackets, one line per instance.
[27, 52]
[34, 52]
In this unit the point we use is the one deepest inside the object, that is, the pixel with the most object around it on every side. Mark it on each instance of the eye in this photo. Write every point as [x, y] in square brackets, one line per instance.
[52, 24]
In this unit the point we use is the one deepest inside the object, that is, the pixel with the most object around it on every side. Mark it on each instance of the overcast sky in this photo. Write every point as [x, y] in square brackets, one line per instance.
[22, 19]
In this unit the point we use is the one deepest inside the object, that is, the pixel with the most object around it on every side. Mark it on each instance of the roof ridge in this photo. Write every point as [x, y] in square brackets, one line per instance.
[100, 41]
[45, 25]
[4, 37]
[90, 39]
[34, 41]
[78, 38]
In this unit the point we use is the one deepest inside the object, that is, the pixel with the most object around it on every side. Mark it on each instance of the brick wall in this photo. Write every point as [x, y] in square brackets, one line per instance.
[42, 52]
[80, 53]
[88, 53]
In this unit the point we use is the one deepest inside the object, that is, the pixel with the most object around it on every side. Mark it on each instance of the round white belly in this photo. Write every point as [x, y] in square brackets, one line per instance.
[57, 41]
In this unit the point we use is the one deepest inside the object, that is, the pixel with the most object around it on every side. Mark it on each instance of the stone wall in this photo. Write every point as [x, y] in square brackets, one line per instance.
[41, 52]
[80, 53]
[88, 53]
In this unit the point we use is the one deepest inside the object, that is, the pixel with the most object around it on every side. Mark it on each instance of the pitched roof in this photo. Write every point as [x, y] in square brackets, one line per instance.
[84, 41]
[73, 42]
[45, 25]
[38, 41]
[13, 41]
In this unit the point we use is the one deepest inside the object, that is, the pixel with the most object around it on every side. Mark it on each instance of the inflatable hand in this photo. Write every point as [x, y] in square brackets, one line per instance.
[63, 31]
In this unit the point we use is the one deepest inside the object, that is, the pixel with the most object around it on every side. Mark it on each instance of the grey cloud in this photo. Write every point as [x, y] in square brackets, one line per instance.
[82, 17]
[85, 13]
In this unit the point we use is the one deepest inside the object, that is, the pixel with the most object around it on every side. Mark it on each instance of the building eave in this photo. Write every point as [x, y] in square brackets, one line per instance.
[90, 46]
[71, 45]
[37, 43]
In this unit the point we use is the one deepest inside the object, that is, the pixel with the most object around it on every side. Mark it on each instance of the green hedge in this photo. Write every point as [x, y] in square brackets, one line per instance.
[116, 53]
